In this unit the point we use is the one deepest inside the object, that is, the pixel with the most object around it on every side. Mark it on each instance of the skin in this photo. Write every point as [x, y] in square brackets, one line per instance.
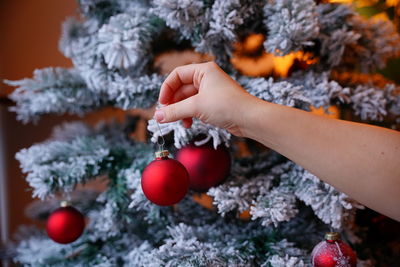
[360, 160]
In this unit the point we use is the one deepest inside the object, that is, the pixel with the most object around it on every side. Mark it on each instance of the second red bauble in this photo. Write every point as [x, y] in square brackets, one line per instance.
[65, 225]
[165, 181]
[333, 252]
[207, 166]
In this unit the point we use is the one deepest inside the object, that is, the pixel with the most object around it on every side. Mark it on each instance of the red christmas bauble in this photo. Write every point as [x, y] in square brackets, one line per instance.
[207, 166]
[165, 181]
[333, 252]
[65, 225]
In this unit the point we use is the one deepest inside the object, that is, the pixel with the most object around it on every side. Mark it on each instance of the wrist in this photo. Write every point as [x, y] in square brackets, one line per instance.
[257, 121]
[248, 113]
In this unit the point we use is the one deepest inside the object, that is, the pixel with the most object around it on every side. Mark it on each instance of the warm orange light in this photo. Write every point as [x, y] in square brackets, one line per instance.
[365, 3]
[251, 60]
[204, 200]
[341, 1]
[260, 66]
[381, 16]
[245, 215]
[392, 2]
[282, 64]
[333, 112]
[253, 43]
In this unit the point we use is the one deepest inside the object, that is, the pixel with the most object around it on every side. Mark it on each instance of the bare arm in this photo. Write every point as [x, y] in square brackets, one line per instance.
[360, 160]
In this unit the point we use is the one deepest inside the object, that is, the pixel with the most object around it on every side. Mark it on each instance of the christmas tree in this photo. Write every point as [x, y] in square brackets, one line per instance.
[113, 47]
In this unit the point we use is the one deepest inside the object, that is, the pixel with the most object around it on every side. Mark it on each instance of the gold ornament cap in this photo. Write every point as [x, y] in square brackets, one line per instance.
[162, 154]
[64, 203]
[332, 236]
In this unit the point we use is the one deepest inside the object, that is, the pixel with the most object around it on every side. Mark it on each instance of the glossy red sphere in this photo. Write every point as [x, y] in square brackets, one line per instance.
[333, 254]
[165, 181]
[207, 166]
[65, 225]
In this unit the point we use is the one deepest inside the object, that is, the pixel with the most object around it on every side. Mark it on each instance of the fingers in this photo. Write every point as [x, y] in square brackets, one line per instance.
[180, 76]
[178, 92]
[181, 110]
[184, 92]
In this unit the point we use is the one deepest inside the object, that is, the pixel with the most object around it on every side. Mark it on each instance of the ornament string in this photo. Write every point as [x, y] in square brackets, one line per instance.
[68, 196]
[338, 247]
[162, 143]
[66, 199]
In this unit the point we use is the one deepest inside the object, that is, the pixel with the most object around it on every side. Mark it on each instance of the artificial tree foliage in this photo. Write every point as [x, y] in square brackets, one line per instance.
[113, 46]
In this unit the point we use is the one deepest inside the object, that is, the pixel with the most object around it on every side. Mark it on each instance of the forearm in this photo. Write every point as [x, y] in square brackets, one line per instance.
[360, 160]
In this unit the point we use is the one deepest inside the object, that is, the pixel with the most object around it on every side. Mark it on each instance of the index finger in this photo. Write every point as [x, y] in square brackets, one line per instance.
[180, 76]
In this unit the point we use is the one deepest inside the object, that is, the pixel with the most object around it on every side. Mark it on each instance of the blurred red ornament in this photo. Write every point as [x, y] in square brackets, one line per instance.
[333, 252]
[207, 166]
[165, 181]
[65, 225]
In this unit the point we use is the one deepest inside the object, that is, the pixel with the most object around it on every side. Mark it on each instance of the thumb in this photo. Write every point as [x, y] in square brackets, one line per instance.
[177, 111]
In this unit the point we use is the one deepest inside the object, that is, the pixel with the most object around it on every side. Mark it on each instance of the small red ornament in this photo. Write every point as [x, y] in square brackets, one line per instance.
[165, 181]
[333, 252]
[65, 224]
[207, 166]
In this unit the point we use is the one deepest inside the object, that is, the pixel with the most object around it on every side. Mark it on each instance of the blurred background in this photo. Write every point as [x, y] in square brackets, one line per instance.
[30, 30]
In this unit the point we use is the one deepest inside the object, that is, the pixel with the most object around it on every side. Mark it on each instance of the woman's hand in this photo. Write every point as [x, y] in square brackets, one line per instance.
[206, 92]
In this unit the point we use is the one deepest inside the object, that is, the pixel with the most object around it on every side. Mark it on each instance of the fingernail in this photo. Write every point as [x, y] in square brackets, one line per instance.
[159, 115]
